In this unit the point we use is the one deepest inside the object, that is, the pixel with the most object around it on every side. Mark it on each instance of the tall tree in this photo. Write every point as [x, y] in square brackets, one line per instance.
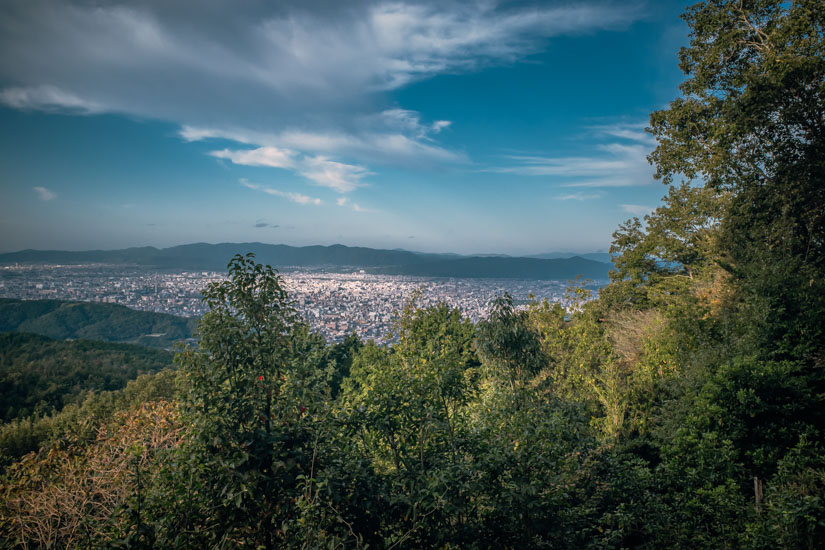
[749, 133]
[250, 393]
[751, 123]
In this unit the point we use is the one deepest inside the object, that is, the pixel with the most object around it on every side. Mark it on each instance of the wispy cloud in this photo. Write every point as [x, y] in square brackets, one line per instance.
[375, 138]
[344, 201]
[630, 131]
[638, 209]
[44, 194]
[396, 136]
[580, 196]
[417, 40]
[615, 164]
[322, 171]
[335, 175]
[48, 98]
[335, 50]
[262, 156]
[410, 122]
[294, 197]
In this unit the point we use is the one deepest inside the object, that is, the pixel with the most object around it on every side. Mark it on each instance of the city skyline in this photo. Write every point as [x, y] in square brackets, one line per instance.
[513, 128]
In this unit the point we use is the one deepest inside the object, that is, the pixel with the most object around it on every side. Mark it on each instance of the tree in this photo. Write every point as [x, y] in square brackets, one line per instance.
[76, 496]
[408, 407]
[507, 343]
[749, 136]
[251, 391]
[751, 124]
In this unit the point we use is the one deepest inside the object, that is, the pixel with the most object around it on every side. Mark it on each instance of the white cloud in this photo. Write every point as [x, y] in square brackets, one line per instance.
[638, 209]
[44, 194]
[410, 122]
[294, 197]
[615, 164]
[371, 141]
[344, 201]
[322, 171]
[580, 196]
[47, 98]
[293, 82]
[569, 166]
[118, 52]
[630, 131]
[335, 175]
[413, 41]
[439, 125]
[262, 156]
[247, 67]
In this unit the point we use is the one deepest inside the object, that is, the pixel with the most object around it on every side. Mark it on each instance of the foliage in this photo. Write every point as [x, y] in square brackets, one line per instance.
[507, 343]
[38, 374]
[71, 497]
[80, 421]
[793, 512]
[750, 125]
[408, 408]
[92, 321]
[252, 393]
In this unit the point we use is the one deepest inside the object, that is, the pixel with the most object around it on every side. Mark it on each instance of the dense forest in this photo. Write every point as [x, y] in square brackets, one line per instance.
[91, 321]
[38, 373]
[682, 407]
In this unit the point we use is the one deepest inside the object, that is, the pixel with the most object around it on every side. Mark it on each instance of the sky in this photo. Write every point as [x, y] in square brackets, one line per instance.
[467, 127]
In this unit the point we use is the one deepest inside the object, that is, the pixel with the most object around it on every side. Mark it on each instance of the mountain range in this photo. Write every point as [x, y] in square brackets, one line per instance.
[214, 257]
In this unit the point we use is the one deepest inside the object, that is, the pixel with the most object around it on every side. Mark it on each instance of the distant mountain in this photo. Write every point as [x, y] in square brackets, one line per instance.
[603, 257]
[214, 257]
[92, 321]
[504, 268]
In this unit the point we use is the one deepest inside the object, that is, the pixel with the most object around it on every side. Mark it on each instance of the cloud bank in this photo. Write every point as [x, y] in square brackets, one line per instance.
[622, 162]
[303, 83]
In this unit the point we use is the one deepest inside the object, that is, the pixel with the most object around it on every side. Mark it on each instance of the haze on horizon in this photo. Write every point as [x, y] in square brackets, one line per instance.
[481, 127]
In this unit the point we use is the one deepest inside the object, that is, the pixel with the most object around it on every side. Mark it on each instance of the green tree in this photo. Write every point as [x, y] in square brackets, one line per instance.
[408, 407]
[509, 346]
[750, 124]
[749, 136]
[251, 392]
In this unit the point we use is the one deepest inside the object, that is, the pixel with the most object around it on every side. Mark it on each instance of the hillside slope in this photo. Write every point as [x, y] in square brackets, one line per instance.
[92, 321]
[39, 373]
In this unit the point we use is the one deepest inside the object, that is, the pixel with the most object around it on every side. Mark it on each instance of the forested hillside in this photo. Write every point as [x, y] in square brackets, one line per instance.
[92, 321]
[41, 374]
[79, 422]
[684, 407]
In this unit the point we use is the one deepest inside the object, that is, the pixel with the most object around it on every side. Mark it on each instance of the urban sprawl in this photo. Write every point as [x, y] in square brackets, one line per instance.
[335, 304]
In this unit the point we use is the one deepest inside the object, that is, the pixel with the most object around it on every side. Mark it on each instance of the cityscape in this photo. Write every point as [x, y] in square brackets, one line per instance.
[334, 304]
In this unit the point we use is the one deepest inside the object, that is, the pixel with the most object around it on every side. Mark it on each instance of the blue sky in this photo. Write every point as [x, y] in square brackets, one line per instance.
[470, 127]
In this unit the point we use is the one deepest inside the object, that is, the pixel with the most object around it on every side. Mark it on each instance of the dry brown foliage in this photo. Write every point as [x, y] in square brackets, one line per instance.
[629, 330]
[57, 498]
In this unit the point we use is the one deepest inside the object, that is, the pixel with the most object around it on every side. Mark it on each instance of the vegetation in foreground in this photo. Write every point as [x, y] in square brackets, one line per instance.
[682, 408]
